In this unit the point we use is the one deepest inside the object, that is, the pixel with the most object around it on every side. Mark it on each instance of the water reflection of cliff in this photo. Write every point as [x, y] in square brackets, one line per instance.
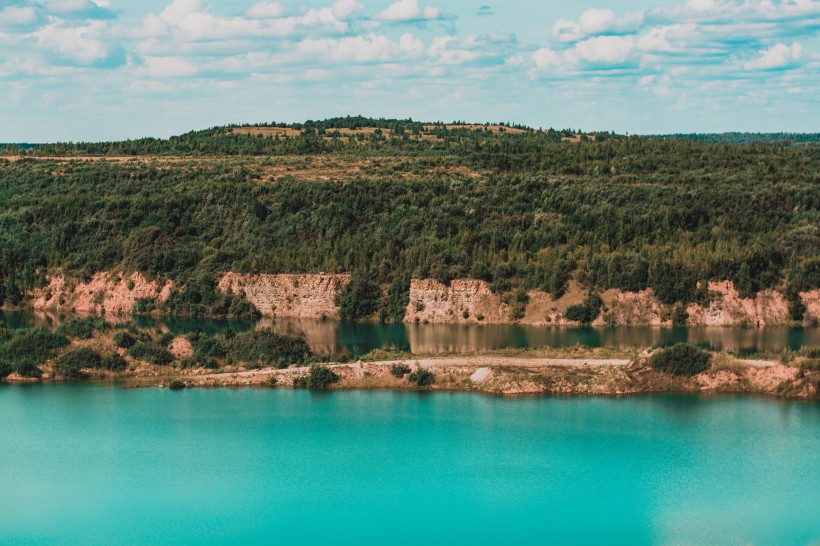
[332, 336]
[328, 336]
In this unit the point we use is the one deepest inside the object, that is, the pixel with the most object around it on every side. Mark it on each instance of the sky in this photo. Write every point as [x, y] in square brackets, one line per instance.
[75, 70]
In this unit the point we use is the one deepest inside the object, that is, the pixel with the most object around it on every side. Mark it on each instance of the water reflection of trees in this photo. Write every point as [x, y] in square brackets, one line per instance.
[327, 336]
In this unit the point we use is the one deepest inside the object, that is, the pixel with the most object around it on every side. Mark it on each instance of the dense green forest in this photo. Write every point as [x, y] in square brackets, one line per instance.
[522, 211]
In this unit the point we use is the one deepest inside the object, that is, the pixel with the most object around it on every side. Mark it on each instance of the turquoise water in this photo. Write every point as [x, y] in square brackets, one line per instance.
[328, 336]
[88, 464]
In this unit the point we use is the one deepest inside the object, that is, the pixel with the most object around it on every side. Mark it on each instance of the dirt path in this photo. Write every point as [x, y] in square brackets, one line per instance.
[759, 363]
[449, 362]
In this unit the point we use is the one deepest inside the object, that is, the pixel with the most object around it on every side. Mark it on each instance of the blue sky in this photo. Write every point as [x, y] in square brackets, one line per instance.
[111, 69]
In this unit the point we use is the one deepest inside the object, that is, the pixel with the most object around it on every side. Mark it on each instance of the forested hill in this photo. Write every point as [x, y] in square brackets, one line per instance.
[390, 200]
[354, 133]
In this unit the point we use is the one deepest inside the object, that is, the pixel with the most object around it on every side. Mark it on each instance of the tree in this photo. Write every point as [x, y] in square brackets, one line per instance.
[321, 377]
[360, 298]
[681, 359]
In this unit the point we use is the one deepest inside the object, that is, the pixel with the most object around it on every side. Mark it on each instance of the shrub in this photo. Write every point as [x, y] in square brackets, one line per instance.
[114, 362]
[165, 339]
[680, 316]
[812, 364]
[397, 299]
[321, 377]
[399, 370]
[25, 350]
[587, 311]
[268, 347]
[144, 306]
[5, 369]
[151, 353]
[209, 347]
[422, 377]
[681, 359]
[124, 340]
[360, 298]
[797, 310]
[176, 385]
[72, 362]
[81, 328]
[810, 351]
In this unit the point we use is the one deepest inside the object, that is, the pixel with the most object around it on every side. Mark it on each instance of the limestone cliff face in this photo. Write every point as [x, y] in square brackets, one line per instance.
[811, 300]
[727, 308]
[108, 293]
[463, 302]
[301, 296]
[632, 309]
[472, 301]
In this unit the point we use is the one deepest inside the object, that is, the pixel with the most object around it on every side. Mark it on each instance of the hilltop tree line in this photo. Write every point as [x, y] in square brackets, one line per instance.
[616, 213]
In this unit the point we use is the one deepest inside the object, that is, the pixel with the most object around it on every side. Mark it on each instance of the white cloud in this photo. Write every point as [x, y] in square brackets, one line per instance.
[595, 22]
[17, 16]
[81, 45]
[546, 58]
[343, 9]
[265, 10]
[408, 10]
[165, 67]
[601, 50]
[777, 56]
[372, 48]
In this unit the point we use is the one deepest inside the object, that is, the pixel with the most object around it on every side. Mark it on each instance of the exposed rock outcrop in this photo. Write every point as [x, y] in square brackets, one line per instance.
[811, 300]
[632, 309]
[727, 308]
[106, 293]
[463, 302]
[302, 296]
[472, 301]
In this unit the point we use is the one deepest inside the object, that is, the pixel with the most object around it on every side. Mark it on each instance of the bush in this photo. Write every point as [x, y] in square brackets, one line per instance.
[209, 347]
[72, 362]
[82, 328]
[176, 385]
[399, 370]
[165, 339]
[268, 347]
[397, 299]
[24, 350]
[797, 310]
[810, 351]
[360, 298]
[5, 369]
[586, 312]
[124, 340]
[159, 356]
[114, 362]
[681, 359]
[321, 377]
[680, 316]
[812, 364]
[422, 377]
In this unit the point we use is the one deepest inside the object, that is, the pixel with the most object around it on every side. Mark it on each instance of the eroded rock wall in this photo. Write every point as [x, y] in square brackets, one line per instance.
[301, 296]
[108, 293]
[462, 302]
[727, 308]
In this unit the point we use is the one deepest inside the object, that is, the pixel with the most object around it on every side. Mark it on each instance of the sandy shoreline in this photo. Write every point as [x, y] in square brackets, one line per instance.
[528, 376]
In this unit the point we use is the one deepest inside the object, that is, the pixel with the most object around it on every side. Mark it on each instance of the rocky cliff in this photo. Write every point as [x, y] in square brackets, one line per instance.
[460, 302]
[301, 296]
[108, 293]
[472, 301]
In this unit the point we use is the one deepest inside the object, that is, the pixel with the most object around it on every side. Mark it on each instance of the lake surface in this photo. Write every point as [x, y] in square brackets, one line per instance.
[89, 464]
[330, 336]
